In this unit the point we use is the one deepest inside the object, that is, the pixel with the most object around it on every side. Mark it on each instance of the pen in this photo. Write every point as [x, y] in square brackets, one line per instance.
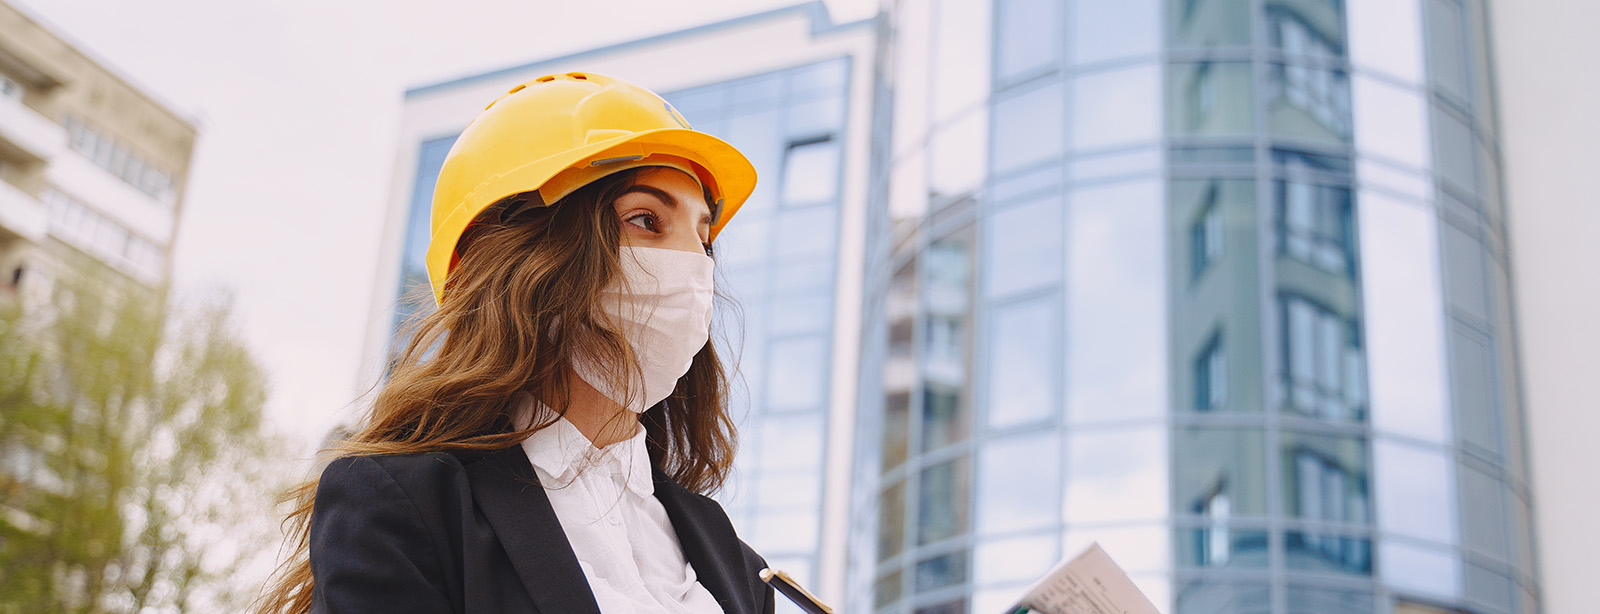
[791, 589]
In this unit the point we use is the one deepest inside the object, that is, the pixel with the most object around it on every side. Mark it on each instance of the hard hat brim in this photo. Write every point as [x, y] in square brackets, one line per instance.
[732, 180]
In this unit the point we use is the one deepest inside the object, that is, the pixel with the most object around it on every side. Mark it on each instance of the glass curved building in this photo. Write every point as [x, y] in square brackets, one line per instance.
[1220, 284]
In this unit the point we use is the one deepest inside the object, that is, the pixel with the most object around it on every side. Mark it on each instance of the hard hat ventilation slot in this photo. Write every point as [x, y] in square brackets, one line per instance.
[517, 88]
[546, 79]
[578, 75]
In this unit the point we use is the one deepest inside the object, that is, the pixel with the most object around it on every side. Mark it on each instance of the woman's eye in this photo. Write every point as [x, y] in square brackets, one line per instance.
[643, 220]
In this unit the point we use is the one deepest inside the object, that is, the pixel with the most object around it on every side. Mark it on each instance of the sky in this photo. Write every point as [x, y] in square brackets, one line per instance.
[299, 103]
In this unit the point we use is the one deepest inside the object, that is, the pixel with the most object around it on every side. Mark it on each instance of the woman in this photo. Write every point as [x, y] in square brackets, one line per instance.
[543, 442]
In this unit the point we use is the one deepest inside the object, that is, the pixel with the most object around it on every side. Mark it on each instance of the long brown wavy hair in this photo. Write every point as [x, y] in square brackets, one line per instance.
[521, 303]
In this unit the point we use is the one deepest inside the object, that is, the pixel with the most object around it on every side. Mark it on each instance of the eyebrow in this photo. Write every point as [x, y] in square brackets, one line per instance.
[664, 197]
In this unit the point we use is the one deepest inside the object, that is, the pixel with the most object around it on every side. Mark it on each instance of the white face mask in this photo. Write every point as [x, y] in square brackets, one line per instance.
[663, 306]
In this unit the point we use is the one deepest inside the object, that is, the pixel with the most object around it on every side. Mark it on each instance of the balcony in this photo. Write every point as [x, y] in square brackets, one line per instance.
[28, 134]
[22, 214]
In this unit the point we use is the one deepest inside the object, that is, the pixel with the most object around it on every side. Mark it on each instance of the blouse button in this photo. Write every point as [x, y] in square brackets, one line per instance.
[612, 518]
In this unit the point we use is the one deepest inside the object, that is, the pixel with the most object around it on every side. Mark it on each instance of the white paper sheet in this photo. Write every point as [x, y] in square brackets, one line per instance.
[1090, 583]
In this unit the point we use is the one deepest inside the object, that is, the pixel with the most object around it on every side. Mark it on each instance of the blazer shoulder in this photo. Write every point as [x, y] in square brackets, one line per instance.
[413, 473]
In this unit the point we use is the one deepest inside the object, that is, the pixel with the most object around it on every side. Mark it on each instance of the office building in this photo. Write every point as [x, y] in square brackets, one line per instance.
[92, 167]
[1219, 284]
[796, 99]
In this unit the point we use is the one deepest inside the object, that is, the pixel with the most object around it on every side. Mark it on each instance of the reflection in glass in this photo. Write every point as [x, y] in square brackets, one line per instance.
[1404, 312]
[1309, 103]
[1015, 559]
[1223, 473]
[1325, 478]
[807, 233]
[958, 606]
[1429, 571]
[806, 313]
[1017, 481]
[942, 501]
[956, 155]
[940, 571]
[1210, 98]
[896, 429]
[1301, 28]
[891, 520]
[1447, 51]
[1390, 122]
[759, 137]
[1116, 475]
[1114, 30]
[1022, 249]
[1028, 127]
[818, 79]
[1455, 151]
[1323, 369]
[1386, 35]
[1208, 23]
[1477, 416]
[1211, 377]
[791, 441]
[1116, 303]
[1329, 553]
[811, 172]
[1117, 107]
[1220, 545]
[1314, 223]
[1320, 600]
[1022, 363]
[786, 529]
[788, 489]
[1210, 596]
[1415, 491]
[798, 374]
[812, 118]
[1027, 35]
[886, 590]
[1483, 518]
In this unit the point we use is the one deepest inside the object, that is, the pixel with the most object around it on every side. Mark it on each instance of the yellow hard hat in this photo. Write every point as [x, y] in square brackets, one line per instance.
[555, 134]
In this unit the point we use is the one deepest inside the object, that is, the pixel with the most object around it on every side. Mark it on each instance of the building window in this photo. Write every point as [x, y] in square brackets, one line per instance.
[811, 172]
[77, 224]
[1323, 363]
[1315, 226]
[121, 161]
[1211, 377]
[1214, 540]
[1206, 235]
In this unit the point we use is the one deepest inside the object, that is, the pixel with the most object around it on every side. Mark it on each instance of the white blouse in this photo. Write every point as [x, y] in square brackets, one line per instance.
[605, 500]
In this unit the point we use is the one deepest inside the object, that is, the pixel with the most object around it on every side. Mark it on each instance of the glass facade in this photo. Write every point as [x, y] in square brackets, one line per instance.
[1220, 284]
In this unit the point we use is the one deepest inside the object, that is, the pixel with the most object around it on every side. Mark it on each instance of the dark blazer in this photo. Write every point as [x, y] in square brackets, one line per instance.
[468, 535]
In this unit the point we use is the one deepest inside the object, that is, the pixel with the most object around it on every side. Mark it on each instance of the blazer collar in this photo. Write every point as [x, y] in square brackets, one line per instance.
[710, 545]
[511, 498]
[509, 494]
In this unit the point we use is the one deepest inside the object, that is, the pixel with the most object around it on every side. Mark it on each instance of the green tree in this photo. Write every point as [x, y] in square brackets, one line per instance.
[135, 474]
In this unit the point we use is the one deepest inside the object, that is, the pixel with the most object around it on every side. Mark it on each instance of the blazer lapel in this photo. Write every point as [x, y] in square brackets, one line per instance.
[710, 545]
[508, 492]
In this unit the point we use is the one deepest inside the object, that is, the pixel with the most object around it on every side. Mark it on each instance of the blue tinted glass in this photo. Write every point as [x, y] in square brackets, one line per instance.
[1116, 302]
[807, 233]
[1415, 491]
[1116, 475]
[1420, 569]
[942, 504]
[1022, 248]
[1325, 478]
[1022, 361]
[1027, 36]
[1114, 108]
[1329, 552]
[797, 374]
[1028, 128]
[822, 78]
[1209, 596]
[1017, 481]
[1221, 545]
[1111, 30]
[1320, 600]
[1223, 474]
[819, 117]
[811, 173]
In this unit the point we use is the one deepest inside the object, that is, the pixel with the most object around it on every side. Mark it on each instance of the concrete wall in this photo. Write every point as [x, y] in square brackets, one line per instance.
[1549, 96]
